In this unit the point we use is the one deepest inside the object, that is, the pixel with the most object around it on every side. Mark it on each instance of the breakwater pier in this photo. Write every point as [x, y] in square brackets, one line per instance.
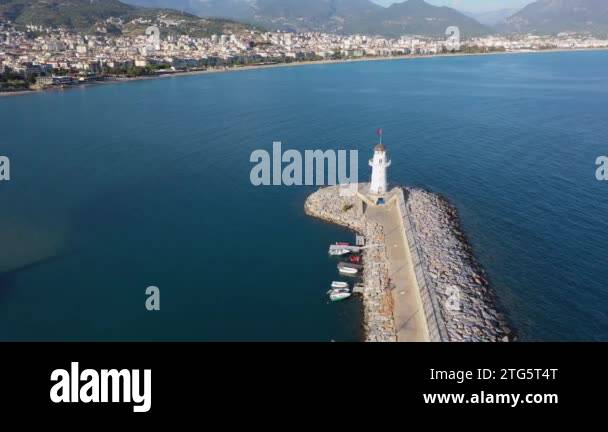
[421, 282]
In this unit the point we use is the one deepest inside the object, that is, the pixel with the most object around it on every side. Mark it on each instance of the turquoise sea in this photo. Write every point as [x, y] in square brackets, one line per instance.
[118, 187]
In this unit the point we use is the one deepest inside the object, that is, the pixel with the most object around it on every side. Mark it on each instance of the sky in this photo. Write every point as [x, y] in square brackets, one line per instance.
[471, 5]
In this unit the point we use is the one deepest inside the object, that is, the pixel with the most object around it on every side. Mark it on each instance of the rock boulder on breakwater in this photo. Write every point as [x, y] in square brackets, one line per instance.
[466, 301]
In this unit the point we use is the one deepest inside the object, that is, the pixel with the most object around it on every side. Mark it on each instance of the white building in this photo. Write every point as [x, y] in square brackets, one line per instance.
[379, 164]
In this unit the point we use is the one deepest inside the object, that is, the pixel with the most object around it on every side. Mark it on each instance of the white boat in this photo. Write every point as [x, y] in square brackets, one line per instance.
[337, 290]
[348, 271]
[339, 252]
[341, 249]
[339, 295]
[336, 284]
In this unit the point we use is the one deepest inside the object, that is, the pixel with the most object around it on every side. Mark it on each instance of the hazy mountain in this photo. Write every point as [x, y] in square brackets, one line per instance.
[491, 18]
[416, 17]
[87, 15]
[297, 15]
[233, 9]
[339, 16]
[310, 15]
[553, 16]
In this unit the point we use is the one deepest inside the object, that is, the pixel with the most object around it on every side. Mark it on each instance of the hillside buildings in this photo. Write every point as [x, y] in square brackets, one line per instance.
[42, 52]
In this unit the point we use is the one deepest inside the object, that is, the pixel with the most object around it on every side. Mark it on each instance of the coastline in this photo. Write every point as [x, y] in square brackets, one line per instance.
[294, 64]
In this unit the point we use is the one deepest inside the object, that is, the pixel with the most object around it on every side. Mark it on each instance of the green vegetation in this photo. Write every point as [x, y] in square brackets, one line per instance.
[87, 15]
[480, 50]
[11, 81]
[77, 14]
[135, 71]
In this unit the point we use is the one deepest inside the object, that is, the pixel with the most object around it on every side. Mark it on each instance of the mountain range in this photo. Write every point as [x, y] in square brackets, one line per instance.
[334, 16]
[415, 17]
[553, 16]
[91, 15]
[491, 18]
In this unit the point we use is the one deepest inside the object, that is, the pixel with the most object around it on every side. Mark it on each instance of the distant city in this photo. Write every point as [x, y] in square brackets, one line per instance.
[37, 57]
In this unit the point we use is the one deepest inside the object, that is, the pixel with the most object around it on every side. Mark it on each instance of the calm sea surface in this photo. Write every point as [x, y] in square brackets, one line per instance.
[118, 187]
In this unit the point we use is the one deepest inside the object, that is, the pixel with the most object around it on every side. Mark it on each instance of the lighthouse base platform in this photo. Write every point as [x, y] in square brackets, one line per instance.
[372, 199]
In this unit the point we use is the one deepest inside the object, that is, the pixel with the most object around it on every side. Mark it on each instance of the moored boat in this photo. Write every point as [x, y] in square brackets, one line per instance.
[348, 271]
[337, 295]
[336, 284]
[339, 252]
[350, 265]
[335, 290]
[343, 249]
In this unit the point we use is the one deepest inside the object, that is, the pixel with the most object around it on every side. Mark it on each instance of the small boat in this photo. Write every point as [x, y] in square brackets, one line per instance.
[338, 295]
[336, 284]
[350, 265]
[339, 252]
[356, 259]
[342, 244]
[337, 290]
[348, 271]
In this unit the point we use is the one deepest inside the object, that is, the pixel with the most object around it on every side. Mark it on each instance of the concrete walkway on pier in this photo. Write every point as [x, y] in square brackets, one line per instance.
[410, 322]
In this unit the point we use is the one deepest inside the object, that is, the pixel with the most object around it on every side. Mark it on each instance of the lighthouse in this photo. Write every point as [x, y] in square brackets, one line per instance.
[379, 164]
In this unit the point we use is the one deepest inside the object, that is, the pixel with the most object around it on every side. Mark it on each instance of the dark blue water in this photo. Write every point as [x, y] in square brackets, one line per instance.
[118, 187]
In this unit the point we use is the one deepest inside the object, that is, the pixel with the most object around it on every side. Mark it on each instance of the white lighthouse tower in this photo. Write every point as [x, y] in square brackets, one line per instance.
[379, 164]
